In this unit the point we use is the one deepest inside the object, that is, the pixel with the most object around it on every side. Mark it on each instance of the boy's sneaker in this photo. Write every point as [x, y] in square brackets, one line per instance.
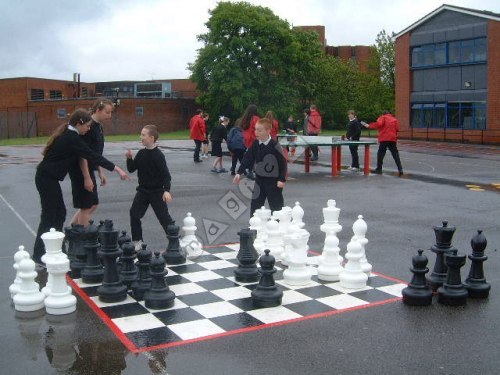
[222, 170]
[214, 170]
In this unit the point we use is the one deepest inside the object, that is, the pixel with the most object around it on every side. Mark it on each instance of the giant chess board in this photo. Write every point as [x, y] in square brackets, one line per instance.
[211, 304]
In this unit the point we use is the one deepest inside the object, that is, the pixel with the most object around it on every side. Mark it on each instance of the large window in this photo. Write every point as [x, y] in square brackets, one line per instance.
[458, 52]
[449, 115]
[55, 94]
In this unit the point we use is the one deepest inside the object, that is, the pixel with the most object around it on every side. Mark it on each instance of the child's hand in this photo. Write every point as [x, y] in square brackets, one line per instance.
[167, 197]
[129, 155]
[281, 184]
[88, 184]
[236, 179]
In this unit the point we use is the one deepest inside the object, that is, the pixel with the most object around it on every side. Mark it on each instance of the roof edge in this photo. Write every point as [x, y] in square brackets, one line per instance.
[472, 12]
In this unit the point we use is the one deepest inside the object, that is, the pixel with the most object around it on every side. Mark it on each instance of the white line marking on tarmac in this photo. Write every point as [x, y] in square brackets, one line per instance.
[18, 216]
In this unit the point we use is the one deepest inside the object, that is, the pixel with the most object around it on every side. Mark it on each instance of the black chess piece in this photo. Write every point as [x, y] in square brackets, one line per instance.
[174, 253]
[444, 236]
[267, 293]
[112, 289]
[124, 237]
[77, 254]
[93, 271]
[128, 270]
[418, 293]
[159, 296]
[476, 283]
[453, 292]
[143, 282]
[247, 257]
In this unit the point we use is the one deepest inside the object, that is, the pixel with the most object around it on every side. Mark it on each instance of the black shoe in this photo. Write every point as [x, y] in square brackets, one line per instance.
[314, 158]
[377, 171]
[233, 173]
[198, 161]
[251, 176]
[400, 172]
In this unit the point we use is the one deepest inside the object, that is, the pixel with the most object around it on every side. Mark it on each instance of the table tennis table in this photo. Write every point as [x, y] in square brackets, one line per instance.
[335, 143]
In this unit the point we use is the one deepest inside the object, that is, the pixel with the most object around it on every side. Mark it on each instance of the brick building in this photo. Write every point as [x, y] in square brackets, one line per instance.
[360, 54]
[35, 106]
[448, 76]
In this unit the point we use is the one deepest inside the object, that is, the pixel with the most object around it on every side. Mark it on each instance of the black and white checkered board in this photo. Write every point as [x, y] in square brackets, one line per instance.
[210, 303]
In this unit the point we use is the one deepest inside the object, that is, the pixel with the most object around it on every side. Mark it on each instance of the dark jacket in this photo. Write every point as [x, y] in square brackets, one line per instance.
[151, 169]
[64, 153]
[353, 130]
[269, 160]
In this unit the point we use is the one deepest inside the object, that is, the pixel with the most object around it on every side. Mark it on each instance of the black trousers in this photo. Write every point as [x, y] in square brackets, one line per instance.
[314, 149]
[141, 202]
[393, 148]
[197, 149]
[266, 188]
[237, 156]
[354, 156]
[53, 209]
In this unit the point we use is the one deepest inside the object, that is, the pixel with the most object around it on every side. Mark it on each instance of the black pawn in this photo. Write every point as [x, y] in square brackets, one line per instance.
[128, 270]
[267, 293]
[453, 292]
[112, 289]
[124, 237]
[93, 272]
[418, 293]
[444, 236]
[159, 296]
[476, 283]
[143, 282]
[247, 257]
[77, 254]
[174, 253]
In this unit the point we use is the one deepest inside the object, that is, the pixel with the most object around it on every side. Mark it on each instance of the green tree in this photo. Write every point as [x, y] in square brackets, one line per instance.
[250, 55]
[386, 50]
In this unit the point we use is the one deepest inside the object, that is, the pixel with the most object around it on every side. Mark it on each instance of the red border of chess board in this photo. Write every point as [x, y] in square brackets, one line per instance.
[134, 349]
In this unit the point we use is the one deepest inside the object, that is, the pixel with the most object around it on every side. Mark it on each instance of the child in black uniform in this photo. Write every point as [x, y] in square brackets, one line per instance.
[154, 184]
[218, 135]
[63, 149]
[270, 168]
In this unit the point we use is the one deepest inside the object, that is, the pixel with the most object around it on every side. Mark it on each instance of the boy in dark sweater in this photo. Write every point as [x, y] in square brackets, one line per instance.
[270, 168]
[154, 184]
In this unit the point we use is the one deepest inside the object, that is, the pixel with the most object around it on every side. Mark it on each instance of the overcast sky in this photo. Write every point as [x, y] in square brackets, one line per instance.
[107, 40]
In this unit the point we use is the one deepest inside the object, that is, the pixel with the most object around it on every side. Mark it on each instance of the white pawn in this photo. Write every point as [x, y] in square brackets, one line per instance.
[359, 229]
[274, 240]
[298, 273]
[329, 266]
[60, 300]
[298, 215]
[18, 256]
[352, 276]
[189, 242]
[29, 297]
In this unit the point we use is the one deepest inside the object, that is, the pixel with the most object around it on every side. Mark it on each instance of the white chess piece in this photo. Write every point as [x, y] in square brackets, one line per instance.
[274, 240]
[298, 215]
[331, 224]
[352, 276]
[29, 297]
[329, 266]
[256, 224]
[189, 242]
[18, 256]
[298, 273]
[53, 251]
[359, 229]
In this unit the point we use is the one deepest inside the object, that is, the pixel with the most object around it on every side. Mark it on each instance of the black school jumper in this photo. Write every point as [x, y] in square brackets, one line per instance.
[154, 180]
[270, 167]
[63, 153]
